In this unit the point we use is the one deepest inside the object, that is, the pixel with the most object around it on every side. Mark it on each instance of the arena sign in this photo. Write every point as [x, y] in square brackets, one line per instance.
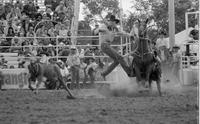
[15, 79]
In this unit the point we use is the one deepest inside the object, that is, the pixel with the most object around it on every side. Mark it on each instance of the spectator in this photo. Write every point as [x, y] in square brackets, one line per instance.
[19, 5]
[3, 63]
[38, 18]
[21, 60]
[55, 17]
[57, 29]
[63, 69]
[30, 9]
[83, 67]
[163, 45]
[49, 11]
[194, 34]
[95, 39]
[46, 40]
[61, 17]
[73, 61]
[52, 4]
[2, 11]
[44, 58]
[10, 16]
[51, 50]
[3, 25]
[61, 8]
[91, 69]
[52, 34]
[31, 33]
[176, 61]
[64, 52]
[34, 50]
[10, 34]
[16, 43]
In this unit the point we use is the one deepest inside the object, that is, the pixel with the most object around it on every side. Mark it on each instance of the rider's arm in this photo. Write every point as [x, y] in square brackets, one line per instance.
[122, 33]
[102, 28]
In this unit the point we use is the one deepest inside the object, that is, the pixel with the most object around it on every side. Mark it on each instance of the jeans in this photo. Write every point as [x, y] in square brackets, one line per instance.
[75, 75]
[117, 58]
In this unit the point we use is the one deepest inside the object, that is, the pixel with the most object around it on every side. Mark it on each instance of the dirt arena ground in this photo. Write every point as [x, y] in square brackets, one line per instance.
[178, 105]
[119, 104]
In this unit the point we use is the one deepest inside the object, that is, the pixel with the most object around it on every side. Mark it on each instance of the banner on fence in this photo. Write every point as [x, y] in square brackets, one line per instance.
[18, 78]
[15, 79]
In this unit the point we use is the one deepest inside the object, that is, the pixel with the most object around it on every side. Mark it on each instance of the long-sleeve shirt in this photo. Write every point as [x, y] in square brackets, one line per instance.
[161, 43]
[93, 65]
[64, 72]
[73, 60]
[105, 34]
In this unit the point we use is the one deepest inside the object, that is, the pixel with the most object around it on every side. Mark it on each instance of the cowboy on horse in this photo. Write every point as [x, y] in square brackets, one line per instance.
[107, 33]
[145, 60]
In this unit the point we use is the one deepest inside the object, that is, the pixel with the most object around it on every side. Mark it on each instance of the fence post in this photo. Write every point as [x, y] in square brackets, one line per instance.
[57, 48]
[121, 45]
[126, 45]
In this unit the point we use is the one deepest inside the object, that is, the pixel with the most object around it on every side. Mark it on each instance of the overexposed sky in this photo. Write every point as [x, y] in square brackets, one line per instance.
[126, 5]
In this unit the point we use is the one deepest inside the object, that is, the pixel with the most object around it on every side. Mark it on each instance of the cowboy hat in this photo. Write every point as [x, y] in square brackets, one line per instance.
[162, 33]
[113, 19]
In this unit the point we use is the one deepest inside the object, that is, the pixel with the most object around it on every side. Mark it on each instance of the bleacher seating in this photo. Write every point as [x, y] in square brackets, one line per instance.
[12, 59]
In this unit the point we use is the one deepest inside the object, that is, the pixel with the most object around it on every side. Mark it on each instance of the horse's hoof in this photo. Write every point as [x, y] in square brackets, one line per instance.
[71, 97]
[31, 88]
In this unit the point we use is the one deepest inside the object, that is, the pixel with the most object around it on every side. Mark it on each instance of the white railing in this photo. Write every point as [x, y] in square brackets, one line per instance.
[122, 43]
[189, 67]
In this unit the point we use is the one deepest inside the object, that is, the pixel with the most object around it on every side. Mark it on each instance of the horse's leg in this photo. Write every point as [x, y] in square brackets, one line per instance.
[77, 79]
[150, 85]
[138, 76]
[29, 85]
[147, 75]
[39, 81]
[159, 86]
[57, 84]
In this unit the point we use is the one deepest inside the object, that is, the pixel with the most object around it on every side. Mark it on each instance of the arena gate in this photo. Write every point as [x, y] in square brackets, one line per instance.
[189, 72]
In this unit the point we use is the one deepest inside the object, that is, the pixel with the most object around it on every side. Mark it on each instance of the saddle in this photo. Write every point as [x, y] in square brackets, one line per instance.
[155, 60]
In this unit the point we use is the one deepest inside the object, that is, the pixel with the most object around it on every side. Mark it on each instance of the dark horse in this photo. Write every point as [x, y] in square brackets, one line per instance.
[145, 66]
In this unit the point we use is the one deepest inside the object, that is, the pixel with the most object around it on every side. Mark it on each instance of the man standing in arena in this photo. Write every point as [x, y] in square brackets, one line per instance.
[73, 61]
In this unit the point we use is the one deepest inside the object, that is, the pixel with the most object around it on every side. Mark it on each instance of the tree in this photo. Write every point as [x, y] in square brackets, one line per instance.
[97, 8]
[158, 11]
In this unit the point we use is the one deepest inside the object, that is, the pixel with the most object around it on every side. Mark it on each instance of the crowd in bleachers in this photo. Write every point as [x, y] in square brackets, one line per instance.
[23, 21]
[19, 22]
[24, 25]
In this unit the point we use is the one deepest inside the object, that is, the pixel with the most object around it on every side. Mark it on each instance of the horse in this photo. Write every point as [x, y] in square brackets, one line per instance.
[38, 71]
[144, 63]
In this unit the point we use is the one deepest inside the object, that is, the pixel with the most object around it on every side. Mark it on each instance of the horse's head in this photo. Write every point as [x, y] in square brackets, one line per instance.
[142, 42]
[142, 28]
